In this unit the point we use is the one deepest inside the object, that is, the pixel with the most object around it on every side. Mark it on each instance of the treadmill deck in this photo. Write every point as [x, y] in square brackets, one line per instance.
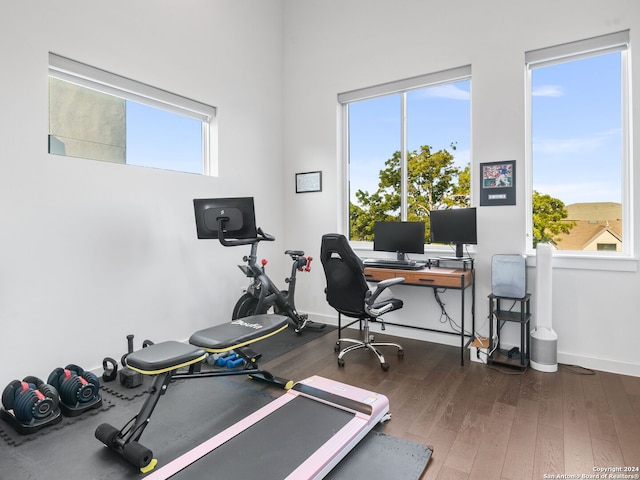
[302, 434]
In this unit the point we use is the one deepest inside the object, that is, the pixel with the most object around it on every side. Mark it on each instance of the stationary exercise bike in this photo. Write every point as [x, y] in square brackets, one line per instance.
[232, 222]
[262, 294]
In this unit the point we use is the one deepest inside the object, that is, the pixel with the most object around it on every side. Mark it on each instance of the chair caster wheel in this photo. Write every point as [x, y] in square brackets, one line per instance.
[400, 353]
[385, 366]
[340, 362]
[336, 347]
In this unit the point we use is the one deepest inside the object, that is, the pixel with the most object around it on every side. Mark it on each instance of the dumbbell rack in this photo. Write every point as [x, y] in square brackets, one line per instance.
[31, 427]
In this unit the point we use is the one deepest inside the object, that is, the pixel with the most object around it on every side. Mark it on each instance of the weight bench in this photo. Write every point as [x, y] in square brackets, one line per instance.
[167, 361]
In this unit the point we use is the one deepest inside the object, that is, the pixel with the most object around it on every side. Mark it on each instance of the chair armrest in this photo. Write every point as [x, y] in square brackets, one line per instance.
[389, 281]
[381, 286]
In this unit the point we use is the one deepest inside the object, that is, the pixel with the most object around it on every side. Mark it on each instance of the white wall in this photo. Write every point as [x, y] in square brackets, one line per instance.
[93, 251]
[333, 46]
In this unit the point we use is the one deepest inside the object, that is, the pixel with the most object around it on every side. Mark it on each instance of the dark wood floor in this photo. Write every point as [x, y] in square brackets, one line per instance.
[485, 423]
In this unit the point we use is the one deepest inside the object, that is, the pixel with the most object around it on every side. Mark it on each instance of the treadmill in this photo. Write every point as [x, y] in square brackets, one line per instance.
[301, 435]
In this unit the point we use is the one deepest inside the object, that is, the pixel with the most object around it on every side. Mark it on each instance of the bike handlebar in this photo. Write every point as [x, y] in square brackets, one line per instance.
[265, 236]
[242, 241]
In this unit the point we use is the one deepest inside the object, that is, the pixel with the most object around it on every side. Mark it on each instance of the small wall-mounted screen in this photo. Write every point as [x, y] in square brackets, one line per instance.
[237, 215]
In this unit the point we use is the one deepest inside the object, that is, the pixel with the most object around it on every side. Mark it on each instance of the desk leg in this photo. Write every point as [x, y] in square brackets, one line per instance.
[462, 320]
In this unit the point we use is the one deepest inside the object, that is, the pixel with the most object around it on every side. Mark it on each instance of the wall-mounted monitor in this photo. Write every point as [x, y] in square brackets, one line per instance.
[399, 237]
[455, 226]
[237, 216]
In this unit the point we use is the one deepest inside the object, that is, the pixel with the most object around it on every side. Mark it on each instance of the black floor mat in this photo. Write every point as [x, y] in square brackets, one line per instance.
[190, 412]
[382, 456]
[15, 439]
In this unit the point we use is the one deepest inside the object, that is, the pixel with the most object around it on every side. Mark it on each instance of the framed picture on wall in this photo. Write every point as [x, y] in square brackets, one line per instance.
[498, 183]
[308, 182]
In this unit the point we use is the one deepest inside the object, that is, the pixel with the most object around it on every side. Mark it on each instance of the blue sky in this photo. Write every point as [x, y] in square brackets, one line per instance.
[436, 116]
[161, 139]
[576, 129]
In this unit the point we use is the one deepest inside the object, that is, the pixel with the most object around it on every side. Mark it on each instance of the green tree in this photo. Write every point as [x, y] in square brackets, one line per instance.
[549, 216]
[433, 182]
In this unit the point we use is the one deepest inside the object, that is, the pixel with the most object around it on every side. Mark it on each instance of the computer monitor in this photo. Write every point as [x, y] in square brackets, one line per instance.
[238, 215]
[399, 237]
[455, 226]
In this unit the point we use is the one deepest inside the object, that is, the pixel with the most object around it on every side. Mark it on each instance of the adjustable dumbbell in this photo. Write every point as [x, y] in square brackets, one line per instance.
[30, 399]
[75, 386]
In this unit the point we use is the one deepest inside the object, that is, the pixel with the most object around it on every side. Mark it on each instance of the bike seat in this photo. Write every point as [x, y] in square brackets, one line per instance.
[297, 253]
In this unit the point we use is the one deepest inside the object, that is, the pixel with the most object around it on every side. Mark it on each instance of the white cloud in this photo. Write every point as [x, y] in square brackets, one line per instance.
[548, 91]
[449, 91]
[575, 144]
[582, 192]
[566, 145]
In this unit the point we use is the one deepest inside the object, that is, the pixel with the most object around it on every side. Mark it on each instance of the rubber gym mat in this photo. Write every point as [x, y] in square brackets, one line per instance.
[118, 390]
[190, 413]
[11, 437]
[286, 341]
[380, 455]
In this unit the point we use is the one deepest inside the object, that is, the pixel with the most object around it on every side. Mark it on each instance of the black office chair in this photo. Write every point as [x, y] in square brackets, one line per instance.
[349, 293]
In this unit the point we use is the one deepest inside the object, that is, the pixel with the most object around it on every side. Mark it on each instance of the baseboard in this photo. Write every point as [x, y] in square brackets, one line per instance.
[594, 363]
[601, 364]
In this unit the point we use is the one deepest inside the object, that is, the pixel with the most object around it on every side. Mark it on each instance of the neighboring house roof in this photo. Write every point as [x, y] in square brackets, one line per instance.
[595, 211]
[594, 222]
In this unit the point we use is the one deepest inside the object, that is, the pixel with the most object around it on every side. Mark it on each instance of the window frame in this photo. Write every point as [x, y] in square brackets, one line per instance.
[84, 75]
[615, 42]
[403, 86]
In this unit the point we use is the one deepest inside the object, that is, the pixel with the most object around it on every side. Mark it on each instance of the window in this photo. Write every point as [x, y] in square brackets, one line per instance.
[407, 149]
[98, 115]
[578, 145]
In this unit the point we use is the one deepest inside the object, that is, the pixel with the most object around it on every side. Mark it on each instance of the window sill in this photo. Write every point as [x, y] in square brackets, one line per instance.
[575, 261]
[590, 262]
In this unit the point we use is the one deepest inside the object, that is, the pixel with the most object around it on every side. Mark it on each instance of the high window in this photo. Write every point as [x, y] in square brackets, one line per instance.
[407, 149]
[98, 115]
[579, 145]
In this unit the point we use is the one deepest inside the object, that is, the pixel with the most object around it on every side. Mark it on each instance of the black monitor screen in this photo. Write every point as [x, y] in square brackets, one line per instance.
[454, 226]
[238, 215]
[399, 237]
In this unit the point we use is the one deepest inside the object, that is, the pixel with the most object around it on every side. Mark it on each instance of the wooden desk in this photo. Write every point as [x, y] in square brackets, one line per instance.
[435, 277]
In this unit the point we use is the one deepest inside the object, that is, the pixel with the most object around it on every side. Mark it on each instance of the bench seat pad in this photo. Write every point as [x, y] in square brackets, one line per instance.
[239, 333]
[164, 356]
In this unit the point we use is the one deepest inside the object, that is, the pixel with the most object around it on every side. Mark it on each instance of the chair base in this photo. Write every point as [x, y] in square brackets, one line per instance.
[369, 344]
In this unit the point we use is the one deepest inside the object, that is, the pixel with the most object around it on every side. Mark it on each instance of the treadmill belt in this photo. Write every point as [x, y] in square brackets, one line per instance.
[273, 447]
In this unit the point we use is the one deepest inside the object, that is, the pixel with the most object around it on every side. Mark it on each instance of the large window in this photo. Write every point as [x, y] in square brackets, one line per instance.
[407, 149]
[578, 145]
[97, 115]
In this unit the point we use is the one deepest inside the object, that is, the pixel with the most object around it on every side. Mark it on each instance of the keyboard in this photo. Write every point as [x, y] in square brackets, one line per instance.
[394, 264]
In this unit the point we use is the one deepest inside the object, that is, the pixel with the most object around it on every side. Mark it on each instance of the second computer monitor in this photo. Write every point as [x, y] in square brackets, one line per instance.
[456, 226]
[399, 237]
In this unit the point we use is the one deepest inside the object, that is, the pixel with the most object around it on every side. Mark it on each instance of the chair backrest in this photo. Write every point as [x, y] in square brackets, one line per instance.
[346, 284]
